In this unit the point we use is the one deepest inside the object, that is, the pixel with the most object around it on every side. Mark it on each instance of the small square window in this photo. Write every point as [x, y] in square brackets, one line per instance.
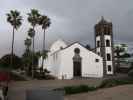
[96, 60]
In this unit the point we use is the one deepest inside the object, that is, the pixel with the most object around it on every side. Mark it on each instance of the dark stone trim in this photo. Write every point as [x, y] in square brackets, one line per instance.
[112, 44]
[103, 53]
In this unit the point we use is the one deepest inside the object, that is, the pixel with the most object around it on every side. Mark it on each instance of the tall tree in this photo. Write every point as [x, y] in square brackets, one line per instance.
[45, 22]
[27, 43]
[88, 47]
[27, 55]
[120, 51]
[6, 61]
[15, 19]
[33, 18]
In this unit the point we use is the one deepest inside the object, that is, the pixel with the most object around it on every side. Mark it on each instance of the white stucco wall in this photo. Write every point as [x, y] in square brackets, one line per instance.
[52, 62]
[60, 62]
[98, 38]
[98, 48]
[55, 63]
[90, 68]
[57, 45]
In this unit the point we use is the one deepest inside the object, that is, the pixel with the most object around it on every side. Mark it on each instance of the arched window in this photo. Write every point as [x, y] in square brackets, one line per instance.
[98, 43]
[77, 50]
[108, 43]
[108, 57]
[109, 68]
[96, 60]
[98, 53]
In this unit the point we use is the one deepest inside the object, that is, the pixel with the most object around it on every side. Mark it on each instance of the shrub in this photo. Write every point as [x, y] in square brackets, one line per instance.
[44, 76]
[130, 73]
[5, 61]
[115, 82]
[85, 88]
[78, 89]
[15, 77]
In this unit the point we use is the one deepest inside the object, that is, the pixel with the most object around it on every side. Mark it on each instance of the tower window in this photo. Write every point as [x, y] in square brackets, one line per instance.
[108, 43]
[96, 60]
[108, 57]
[98, 43]
[98, 53]
[61, 47]
[109, 68]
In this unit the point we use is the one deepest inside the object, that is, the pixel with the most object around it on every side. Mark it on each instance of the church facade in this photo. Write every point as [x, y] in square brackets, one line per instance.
[74, 60]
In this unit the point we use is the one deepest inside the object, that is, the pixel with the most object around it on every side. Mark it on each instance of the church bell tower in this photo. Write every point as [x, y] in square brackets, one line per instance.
[104, 45]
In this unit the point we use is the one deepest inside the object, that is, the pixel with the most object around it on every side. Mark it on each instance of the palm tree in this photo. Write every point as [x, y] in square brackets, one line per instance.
[33, 18]
[31, 33]
[27, 43]
[15, 20]
[26, 55]
[44, 21]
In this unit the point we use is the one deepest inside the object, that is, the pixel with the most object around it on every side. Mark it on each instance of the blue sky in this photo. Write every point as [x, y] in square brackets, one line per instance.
[72, 20]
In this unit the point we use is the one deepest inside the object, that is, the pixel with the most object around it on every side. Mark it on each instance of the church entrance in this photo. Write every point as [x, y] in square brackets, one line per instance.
[77, 69]
[77, 63]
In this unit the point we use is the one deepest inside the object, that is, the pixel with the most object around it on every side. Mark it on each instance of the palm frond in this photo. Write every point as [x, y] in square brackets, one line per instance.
[14, 18]
[45, 22]
[33, 17]
[31, 32]
[27, 42]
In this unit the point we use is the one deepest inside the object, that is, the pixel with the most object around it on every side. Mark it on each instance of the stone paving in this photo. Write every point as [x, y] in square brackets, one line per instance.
[17, 89]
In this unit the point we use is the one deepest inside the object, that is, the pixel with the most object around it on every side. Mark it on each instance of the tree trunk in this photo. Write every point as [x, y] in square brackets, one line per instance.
[12, 48]
[44, 41]
[43, 49]
[33, 39]
[41, 69]
[118, 61]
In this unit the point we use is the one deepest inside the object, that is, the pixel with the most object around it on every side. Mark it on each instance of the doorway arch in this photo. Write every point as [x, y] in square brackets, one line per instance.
[77, 63]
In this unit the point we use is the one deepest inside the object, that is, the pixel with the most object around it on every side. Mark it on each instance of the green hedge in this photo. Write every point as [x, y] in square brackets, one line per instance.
[78, 89]
[85, 88]
[115, 82]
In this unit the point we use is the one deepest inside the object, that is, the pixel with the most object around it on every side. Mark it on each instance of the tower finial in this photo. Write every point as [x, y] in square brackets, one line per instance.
[102, 18]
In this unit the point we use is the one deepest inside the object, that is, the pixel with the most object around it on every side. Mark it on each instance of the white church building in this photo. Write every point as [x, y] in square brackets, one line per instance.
[74, 60]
